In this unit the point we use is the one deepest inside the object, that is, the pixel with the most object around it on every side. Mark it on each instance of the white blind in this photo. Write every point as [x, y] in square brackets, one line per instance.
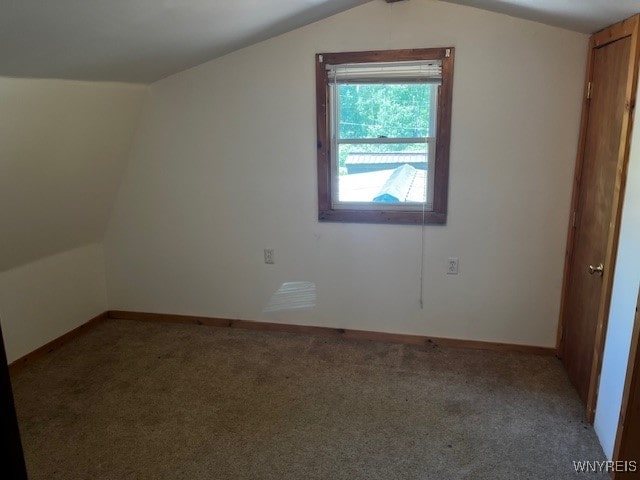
[427, 71]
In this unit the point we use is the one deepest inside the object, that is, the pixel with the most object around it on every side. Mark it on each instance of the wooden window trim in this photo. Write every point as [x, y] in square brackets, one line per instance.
[441, 170]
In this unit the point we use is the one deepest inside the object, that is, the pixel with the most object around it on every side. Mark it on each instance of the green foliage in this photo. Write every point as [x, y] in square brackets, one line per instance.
[391, 110]
[383, 110]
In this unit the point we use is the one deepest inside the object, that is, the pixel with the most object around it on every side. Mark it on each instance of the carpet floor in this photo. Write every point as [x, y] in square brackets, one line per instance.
[135, 400]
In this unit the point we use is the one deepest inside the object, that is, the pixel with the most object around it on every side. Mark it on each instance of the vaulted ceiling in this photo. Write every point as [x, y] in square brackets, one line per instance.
[586, 16]
[145, 40]
[140, 40]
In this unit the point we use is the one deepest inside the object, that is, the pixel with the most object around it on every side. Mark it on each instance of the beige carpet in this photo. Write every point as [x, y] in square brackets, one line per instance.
[133, 400]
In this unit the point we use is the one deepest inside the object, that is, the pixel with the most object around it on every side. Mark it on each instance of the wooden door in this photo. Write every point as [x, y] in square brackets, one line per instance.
[600, 174]
[627, 448]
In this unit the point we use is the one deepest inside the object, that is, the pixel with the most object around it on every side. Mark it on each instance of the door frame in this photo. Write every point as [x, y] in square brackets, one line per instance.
[630, 389]
[627, 28]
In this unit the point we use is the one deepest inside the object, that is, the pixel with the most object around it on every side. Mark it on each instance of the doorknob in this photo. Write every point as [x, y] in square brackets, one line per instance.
[597, 269]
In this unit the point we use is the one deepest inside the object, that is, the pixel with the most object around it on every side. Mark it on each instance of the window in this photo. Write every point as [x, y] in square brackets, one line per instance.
[383, 121]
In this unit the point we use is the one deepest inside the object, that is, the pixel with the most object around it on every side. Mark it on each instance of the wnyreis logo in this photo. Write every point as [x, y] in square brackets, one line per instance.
[587, 466]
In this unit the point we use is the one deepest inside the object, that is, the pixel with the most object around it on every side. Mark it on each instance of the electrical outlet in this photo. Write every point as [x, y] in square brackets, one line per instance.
[452, 266]
[268, 256]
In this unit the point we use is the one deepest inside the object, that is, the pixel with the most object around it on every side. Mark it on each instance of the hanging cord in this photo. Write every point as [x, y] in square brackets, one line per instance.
[428, 172]
[422, 228]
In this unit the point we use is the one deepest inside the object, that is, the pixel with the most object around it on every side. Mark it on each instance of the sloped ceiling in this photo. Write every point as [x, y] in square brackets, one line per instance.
[145, 40]
[140, 40]
[586, 16]
[63, 149]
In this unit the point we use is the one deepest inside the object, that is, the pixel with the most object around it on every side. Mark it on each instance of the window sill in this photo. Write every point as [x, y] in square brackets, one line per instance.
[383, 216]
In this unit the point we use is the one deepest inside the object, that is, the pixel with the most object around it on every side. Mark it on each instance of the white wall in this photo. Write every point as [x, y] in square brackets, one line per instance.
[623, 304]
[45, 299]
[63, 148]
[224, 165]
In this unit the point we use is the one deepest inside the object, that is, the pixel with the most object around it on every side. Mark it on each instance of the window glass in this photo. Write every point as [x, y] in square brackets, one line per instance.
[383, 135]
